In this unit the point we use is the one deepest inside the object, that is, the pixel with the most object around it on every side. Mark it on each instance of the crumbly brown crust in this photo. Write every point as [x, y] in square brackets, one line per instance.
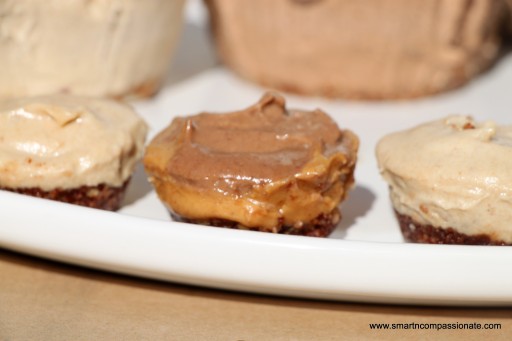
[418, 233]
[102, 196]
[321, 226]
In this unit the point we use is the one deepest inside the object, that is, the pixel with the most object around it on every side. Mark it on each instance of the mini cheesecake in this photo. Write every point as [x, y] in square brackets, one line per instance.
[114, 48]
[450, 181]
[263, 168]
[71, 149]
[371, 49]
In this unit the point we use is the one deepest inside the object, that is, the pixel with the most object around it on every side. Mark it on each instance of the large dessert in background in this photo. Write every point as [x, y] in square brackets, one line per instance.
[450, 181]
[67, 148]
[88, 47]
[372, 49]
[263, 168]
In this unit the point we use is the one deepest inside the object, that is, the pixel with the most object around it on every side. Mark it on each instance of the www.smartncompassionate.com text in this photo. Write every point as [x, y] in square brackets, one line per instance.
[436, 326]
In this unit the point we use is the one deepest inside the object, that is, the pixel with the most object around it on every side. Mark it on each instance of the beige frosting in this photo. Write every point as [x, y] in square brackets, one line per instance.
[86, 47]
[453, 173]
[262, 167]
[66, 142]
[361, 49]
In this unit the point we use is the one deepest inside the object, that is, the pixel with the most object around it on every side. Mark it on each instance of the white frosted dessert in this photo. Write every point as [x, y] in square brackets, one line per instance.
[69, 147]
[451, 181]
[88, 47]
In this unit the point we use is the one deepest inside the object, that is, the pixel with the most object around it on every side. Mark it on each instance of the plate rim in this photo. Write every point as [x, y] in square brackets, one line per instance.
[211, 266]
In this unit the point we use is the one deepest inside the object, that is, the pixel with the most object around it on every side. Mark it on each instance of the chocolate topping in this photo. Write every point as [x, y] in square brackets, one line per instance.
[261, 144]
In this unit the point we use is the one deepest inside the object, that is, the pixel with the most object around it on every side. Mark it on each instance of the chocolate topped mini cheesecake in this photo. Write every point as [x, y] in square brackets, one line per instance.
[451, 181]
[263, 168]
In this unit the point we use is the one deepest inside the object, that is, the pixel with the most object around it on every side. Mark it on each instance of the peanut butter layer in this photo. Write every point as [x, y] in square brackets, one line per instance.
[66, 142]
[261, 167]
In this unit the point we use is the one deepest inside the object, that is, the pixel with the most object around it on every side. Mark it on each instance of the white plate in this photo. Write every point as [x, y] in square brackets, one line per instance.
[364, 260]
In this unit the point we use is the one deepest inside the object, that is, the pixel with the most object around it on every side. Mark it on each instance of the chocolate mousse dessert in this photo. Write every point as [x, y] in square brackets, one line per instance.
[450, 181]
[71, 149]
[264, 168]
[372, 49]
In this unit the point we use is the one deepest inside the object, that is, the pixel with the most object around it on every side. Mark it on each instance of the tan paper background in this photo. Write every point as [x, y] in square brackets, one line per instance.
[43, 300]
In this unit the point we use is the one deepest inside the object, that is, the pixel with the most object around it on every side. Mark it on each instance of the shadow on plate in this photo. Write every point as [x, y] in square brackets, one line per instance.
[139, 186]
[359, 202]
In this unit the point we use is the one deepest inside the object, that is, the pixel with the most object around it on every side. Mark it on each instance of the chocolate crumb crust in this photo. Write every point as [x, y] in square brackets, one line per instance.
[103, 196]
[418, 233]
[321, 226]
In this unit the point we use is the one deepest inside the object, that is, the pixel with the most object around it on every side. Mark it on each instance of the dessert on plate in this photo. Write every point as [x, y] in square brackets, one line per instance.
[71, 149]
[377, 49]
[263, 168]
[450, 181]
[114, 48]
